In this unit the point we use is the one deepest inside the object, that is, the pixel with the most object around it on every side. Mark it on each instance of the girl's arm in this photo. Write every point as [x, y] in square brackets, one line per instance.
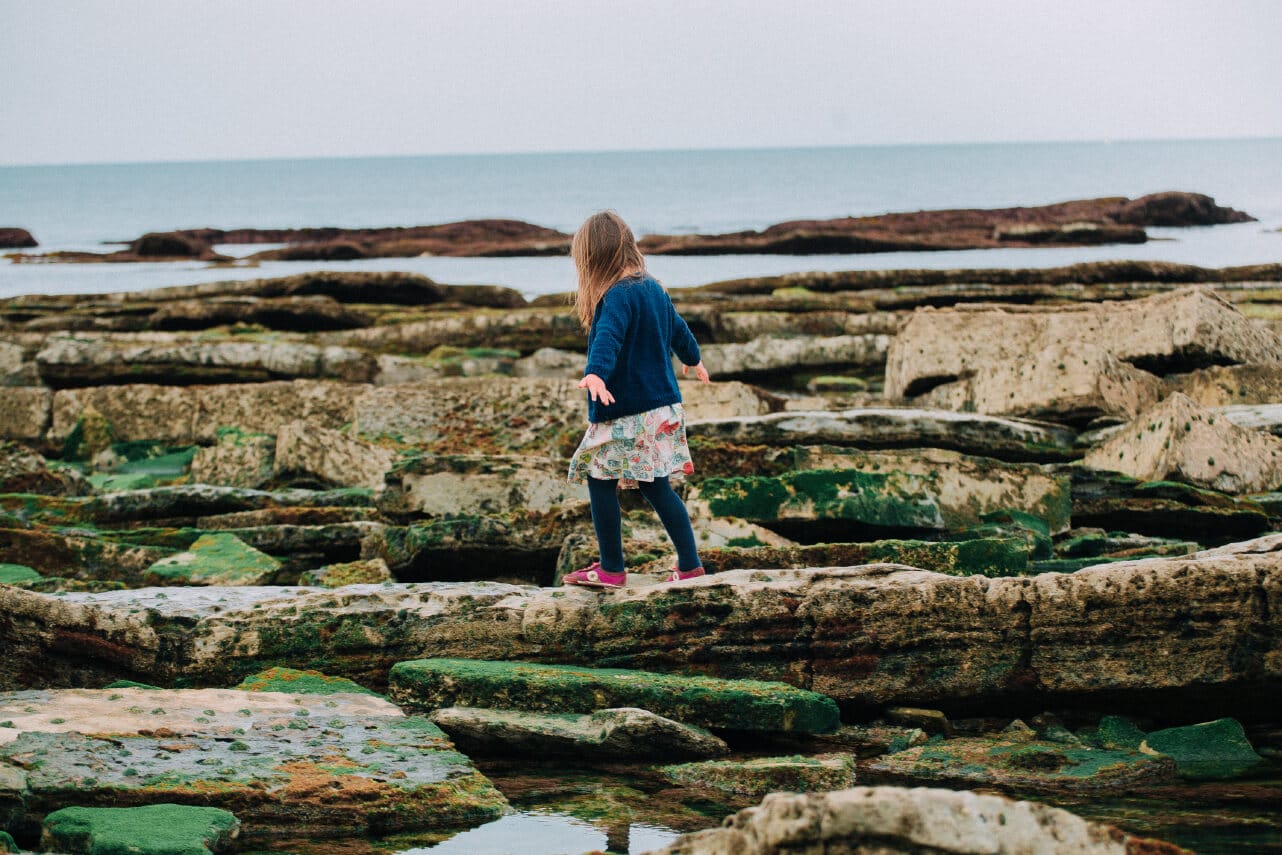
[608, 332]
[683, 343]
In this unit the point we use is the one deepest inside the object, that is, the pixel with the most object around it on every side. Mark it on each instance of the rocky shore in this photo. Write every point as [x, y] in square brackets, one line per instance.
[283, 552]
[1082, 222]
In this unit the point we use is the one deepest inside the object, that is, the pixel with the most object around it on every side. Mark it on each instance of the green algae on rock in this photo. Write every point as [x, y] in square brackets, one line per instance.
[1211, 751]
[982, 556]
[761, 775]
[14, 573]
[217, 559]
[161, 829]
[294, 681]
[626, 733]
[7, 843]
[366, 572]
[282, 763]
[705, 701]
[1021, 764]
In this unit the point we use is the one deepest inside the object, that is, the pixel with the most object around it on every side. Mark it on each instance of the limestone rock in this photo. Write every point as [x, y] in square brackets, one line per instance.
[368, 572]
[24, 471]
[626, 733]
[1113, 501]
[471, 484]
[238, 460]
[161, 829]
[1021, 764]
[26, 413]
[79, 554]
[1229, 385]
[985, 556]
[770, 355]
[551, 362]
[98, 361]
[761, 775]
[313, 765]
[331, 457]
[1264, 417]
[988, 436]
[1179, 441]
[316, 312]
[1182, 329]
[1069, 383]
[217, 559]
[892, 820]
[706, 701]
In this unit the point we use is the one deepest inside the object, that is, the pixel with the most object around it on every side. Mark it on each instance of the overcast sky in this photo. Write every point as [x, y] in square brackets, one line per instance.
[91, 80]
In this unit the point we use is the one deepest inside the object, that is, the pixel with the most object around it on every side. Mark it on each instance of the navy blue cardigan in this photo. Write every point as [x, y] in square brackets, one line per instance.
[634, 332]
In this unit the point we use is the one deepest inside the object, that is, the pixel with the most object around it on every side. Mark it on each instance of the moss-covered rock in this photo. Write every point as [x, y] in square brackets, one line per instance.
[706, 701]
[983, 556]
[148, 830]
[761, 775]
[14, 573]
[1120, 733]
[370, 571]
[217, 559]
[294, 681]
[1211, 751]
[7, 843]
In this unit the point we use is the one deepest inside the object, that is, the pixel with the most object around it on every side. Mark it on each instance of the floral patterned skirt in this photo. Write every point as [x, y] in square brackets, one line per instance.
[629, 449]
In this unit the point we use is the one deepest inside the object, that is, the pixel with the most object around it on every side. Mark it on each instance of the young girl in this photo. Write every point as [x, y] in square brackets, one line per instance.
[636, 434]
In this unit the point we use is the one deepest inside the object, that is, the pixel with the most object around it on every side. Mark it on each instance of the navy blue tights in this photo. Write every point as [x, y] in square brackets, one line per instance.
[608, 522]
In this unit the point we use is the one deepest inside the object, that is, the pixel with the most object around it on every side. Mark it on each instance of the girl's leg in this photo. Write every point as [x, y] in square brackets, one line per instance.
[608, 522]
[676, 520]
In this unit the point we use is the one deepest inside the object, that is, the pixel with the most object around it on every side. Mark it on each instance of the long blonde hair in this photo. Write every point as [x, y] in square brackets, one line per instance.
[604, 250]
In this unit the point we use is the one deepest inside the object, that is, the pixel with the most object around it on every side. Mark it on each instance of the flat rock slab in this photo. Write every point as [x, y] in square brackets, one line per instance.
[887, 427]
[1021, 765]
[761, 775]
[343, 762]
[1211, 751]
[626, 733]
[217, 559]
[147, 830]
[892, 820]
[705, 701]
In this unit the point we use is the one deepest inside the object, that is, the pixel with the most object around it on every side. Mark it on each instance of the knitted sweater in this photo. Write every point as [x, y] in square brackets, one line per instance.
[635, 331]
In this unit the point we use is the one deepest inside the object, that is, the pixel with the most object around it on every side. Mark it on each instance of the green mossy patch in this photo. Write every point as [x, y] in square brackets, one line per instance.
[1211, 751]
[300, 682]
[7, 843]
[1119, 733]
[217, 559]
[873, 498]
[12, 574]
[985, 556]
[163, 829]
[130, 684]
[761, 775]
[705, 701]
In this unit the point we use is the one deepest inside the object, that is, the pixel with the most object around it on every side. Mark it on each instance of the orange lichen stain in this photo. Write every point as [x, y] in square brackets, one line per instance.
[308, 782]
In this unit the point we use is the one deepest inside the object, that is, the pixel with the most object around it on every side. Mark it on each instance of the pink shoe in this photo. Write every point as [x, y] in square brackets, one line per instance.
[593, 576]
[680, 575]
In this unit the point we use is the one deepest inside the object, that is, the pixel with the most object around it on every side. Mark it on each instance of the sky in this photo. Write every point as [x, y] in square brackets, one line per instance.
[143, 80]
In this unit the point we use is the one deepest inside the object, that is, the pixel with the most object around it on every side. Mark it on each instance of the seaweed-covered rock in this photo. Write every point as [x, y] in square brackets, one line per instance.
[761, 775]
[217, 559]
[706, 701]
[12, 574]
[295, 682]
[625, 733]
[364, 572]
[161, 829]
[892, 820]
[297, 762]
[1210, 751]
[1016, 764]
[1177, 440]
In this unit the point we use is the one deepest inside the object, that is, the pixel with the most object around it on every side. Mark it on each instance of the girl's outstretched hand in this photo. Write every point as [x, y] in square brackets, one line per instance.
[699, 371]
[596, 389]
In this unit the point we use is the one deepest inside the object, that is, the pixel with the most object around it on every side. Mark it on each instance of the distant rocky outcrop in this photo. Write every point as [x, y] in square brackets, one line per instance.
[12, 237]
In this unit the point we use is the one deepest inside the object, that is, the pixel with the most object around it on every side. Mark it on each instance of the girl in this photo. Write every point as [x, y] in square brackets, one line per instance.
[636, 434]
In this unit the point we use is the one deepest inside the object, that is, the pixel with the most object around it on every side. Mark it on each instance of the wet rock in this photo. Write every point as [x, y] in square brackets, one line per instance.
[238, 460]
[931, 721]
[989, 436]
[1184, 329]
[292, 681]
[368, 572]
[26, 413]
[76, 362]
[12, 237]
[280, 762]
[25, 471]
[1173, 208]
[217, 559]
[1160, 507]
[301, 314]
[626, 733]
[710, 702]
[79, 554]
[894, 820]
[985, 556]
[170, 245]
[770, 355]
[331, 457]
[148, 830]
[761, 775]
[1211, 751]
[1021, 763]
[1097, 543]
[1072, 384]
[1229, 385]
[1178, 440]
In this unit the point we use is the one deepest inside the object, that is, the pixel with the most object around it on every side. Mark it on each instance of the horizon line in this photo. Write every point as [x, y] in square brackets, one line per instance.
[608, 151]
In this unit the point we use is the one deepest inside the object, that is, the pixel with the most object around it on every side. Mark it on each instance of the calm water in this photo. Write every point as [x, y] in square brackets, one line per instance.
[79, 207]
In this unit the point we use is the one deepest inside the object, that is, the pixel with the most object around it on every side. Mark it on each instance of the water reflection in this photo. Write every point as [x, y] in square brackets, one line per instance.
[550, 834]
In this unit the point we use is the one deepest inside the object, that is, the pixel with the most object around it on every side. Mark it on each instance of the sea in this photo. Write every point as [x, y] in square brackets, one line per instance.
[87, 207]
